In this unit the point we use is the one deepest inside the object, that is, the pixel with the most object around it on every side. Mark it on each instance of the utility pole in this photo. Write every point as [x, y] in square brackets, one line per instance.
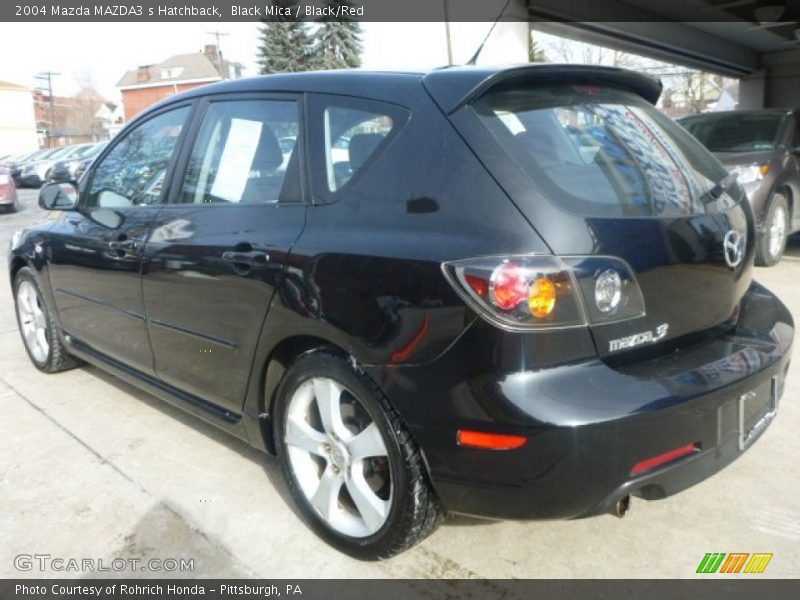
[217, 35]
[48, 76]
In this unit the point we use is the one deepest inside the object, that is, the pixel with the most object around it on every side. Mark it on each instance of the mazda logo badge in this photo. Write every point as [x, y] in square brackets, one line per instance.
[733, 248]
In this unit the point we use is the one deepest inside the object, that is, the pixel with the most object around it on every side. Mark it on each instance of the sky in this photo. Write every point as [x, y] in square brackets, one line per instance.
[102, 52]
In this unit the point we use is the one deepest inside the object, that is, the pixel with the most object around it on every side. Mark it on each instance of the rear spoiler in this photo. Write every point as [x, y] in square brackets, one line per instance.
[455, 87]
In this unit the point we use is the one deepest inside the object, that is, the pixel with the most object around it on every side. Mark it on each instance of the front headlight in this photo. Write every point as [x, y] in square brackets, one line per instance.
[749, 173]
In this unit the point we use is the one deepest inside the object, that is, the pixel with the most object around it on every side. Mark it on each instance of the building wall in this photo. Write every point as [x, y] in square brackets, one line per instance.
[782, 85]
[17, 124]
[136, 100]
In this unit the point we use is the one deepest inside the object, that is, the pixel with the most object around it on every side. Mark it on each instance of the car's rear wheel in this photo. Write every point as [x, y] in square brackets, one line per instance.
[772, 241]
[39, 330]
[352, 468]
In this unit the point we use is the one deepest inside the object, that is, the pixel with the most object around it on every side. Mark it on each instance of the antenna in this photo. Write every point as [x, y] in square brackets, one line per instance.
[475, 56]
[217, 35]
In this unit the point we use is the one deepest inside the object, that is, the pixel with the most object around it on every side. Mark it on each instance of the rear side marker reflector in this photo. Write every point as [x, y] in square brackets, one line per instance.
[662, 459]
[490, 441]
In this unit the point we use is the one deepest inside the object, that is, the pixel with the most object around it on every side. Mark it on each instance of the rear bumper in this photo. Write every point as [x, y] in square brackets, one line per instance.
[29, 181]
[589, 423]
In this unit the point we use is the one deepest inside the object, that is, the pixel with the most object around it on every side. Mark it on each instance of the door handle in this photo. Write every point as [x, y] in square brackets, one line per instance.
[252, 259]
[123, 245]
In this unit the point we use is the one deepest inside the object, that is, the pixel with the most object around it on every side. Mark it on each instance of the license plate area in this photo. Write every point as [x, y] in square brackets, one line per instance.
[756, 409]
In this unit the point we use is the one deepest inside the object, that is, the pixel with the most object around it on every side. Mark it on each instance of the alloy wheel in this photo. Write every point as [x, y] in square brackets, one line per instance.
[338, 457]
[33, 321]
[777, 231]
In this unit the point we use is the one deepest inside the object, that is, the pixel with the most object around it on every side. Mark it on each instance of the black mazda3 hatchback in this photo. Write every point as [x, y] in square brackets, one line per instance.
[521, 293]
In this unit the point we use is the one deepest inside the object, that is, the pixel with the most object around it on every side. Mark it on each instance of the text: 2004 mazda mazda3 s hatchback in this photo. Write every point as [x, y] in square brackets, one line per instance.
[519, 293]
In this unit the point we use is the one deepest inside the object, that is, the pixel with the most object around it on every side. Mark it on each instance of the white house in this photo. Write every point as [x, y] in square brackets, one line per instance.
[17, 123]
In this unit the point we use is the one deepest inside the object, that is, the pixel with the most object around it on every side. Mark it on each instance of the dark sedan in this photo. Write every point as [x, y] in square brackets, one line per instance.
[517, 293]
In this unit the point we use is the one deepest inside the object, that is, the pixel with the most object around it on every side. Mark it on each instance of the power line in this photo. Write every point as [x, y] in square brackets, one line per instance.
[217, 35]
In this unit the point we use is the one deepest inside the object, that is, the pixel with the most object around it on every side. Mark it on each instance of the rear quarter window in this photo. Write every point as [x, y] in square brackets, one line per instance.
[600, 151]
[347, 135]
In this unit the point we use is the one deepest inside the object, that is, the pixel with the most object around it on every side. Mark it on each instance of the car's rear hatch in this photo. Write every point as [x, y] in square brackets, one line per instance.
[598, 171]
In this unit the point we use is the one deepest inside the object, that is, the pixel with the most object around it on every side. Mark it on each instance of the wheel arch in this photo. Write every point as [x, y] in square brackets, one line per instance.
[271, 373]
[17, 263]
[786, 190]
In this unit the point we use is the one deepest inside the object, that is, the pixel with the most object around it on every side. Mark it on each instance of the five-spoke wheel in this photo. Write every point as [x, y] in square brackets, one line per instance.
[33, 322]
[339, 457]
[351, 465]
[40, 331]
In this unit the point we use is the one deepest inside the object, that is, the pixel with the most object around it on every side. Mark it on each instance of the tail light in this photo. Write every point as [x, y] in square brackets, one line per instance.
[547, 292]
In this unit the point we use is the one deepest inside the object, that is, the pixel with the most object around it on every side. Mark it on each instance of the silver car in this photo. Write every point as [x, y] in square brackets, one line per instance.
[763, 149]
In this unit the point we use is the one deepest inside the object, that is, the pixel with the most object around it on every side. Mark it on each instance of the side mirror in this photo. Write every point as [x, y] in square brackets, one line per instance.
[58, 196]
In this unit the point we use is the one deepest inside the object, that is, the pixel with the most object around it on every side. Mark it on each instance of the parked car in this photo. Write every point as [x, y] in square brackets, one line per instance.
[763, 149]
[8, 191]
[16, 164]
[33, 171]
[473, 315]
[67, 169]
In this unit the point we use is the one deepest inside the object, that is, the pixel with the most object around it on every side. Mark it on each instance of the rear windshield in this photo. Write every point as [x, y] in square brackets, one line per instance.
[737, 132]
[601, 151]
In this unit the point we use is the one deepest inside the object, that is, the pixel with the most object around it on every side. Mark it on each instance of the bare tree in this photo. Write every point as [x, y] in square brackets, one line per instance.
[82, 119]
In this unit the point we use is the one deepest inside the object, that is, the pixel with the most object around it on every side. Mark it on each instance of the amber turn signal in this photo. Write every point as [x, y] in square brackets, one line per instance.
[541, 297]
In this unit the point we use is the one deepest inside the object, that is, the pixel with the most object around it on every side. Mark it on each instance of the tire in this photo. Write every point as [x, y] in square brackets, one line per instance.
[323, 463]
[772, 242]
[40, 333]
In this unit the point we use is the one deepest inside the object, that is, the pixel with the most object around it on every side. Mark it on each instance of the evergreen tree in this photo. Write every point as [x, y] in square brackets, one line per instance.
[535, 52]
[338, 43]
[285, 44]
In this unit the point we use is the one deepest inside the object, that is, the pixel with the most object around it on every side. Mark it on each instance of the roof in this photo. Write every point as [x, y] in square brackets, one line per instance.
[188, 66]
[7, 85]
[450, 87]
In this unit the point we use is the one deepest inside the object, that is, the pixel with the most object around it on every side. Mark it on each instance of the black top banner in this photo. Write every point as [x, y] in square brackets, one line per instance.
[382, 10]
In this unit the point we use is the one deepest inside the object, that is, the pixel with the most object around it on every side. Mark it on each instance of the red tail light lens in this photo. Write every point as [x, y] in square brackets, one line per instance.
[521, 292]
[508, 286]
[540, 292]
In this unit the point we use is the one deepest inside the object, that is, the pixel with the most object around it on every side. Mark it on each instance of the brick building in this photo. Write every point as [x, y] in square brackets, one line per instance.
[144, 86]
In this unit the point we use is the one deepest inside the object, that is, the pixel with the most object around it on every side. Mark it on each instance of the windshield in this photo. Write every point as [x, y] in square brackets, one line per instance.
[603, 152]
[84, 151]
[736, 132]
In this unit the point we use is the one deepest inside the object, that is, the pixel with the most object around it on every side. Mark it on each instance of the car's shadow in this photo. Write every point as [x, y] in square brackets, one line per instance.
[267, 462]
[793, 246]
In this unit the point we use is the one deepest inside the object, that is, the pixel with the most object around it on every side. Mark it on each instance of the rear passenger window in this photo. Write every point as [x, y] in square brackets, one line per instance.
[351, 137]
[245, 153]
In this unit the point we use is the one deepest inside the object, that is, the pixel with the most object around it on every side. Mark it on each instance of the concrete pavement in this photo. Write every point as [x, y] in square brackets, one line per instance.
[90, 467]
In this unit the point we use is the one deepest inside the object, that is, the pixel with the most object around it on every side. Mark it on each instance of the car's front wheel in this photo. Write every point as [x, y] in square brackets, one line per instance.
[772, 242]
[38, 327]
[351, 465]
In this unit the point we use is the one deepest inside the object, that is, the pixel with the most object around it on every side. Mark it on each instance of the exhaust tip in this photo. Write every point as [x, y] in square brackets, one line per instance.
[622, 506]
